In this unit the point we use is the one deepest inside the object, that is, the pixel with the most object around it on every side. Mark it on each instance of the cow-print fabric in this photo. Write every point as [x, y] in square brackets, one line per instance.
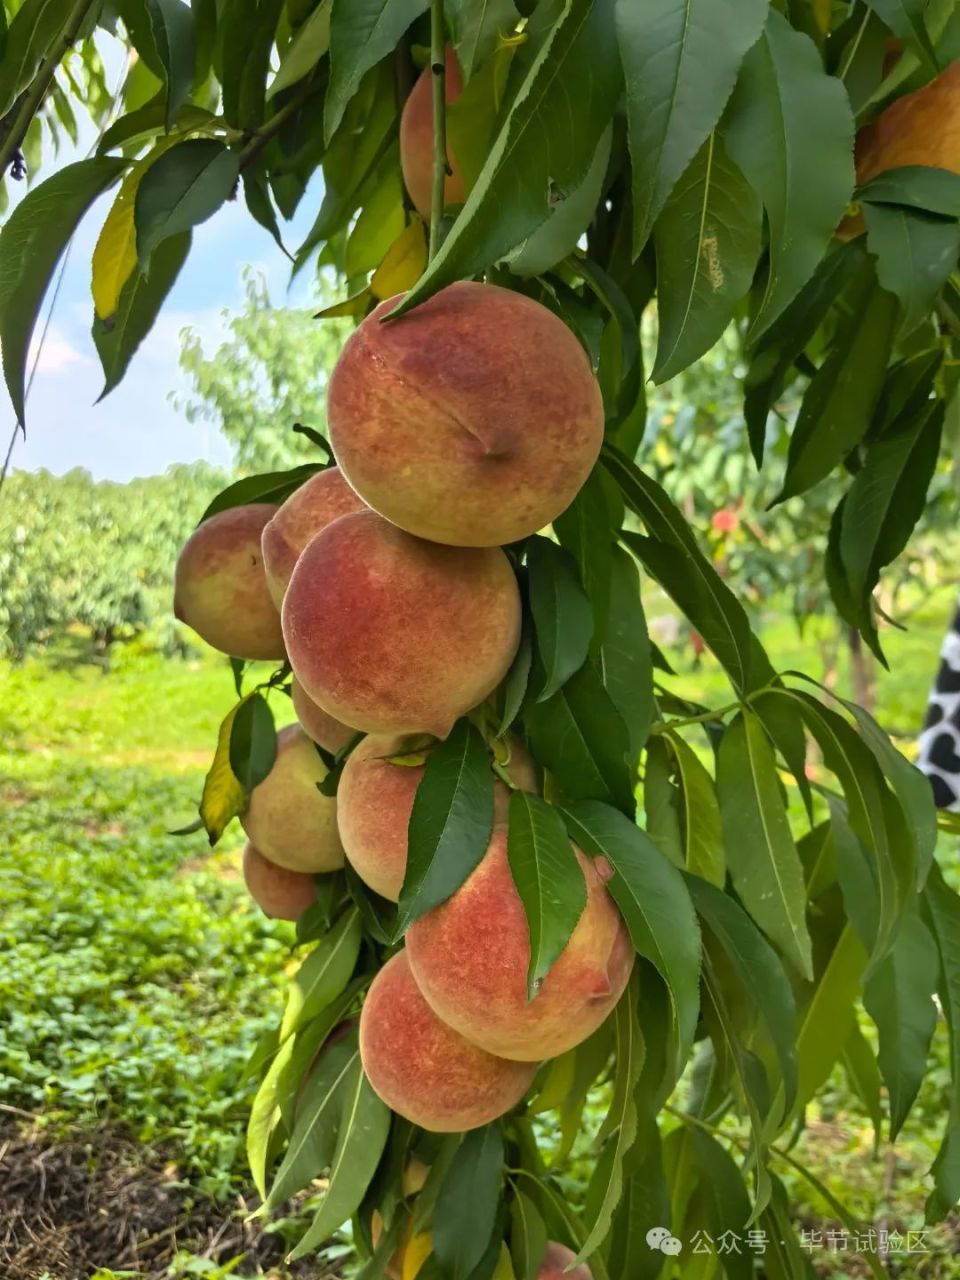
[939, 752]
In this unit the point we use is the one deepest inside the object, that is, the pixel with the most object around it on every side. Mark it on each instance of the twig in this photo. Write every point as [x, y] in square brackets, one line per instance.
[438, 61]
[30, 102]
[260, 137]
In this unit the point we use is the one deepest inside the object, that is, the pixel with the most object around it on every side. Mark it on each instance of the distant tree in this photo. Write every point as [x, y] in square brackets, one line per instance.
[270, 373]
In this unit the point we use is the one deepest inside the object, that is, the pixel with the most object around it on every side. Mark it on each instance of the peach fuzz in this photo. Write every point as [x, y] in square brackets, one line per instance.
[556, 1261]
[308, 510]
[375, 799]
[423, 1069]
[470, 955]
[280, 893]
[220, 589]
[397, 635]
[416, 140]
[287, 819]
[472, 420]
[316, 724]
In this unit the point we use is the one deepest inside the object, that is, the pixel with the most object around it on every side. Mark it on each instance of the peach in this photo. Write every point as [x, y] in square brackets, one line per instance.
[397, 635]
[287, 818]
[921, 128]
[555, 1262]
[278, 892]
[318, 502]
[316, 724]
[423, 1069]
[416, 141]
[472, 420]
[220, 589]
[470, 955]
[375, 798]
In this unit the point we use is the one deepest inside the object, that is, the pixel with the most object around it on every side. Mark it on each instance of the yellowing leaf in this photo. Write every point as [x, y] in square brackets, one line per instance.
[223, 794]
[403, 264]
[115, 253]
[416, 1253]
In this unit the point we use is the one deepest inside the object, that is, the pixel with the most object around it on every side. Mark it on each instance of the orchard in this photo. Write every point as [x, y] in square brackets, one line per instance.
[528, 874]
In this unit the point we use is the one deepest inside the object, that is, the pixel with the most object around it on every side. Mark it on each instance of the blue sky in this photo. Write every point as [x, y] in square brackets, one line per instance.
[136, 431]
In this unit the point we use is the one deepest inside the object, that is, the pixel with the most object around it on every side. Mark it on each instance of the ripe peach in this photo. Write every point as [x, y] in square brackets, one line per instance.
[397, 635]
[316, 724]
[287, 818]
[920, 128]
[470, 955]
[318, 502]
[416, 141]
[220, 589]
[555, 1262]
[375, 798]
[424, 1070]
[278, 892]
[473, 420]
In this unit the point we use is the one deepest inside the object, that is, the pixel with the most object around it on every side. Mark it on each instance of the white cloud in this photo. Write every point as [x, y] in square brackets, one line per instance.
[57, 352]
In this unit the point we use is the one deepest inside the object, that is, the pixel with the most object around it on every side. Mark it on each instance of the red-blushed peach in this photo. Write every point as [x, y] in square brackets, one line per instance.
[472, 420]
[470, 956]
[308, 510]
[278, 892]
[375, 798]
[220, 589]
[423, 1069]
[325, 731]
[287, 818]
[555, 1262]
[397, 635]
[921, 128]
[416, 141]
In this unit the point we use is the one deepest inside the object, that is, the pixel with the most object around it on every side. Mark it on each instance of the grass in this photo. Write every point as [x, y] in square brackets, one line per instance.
[134, 975]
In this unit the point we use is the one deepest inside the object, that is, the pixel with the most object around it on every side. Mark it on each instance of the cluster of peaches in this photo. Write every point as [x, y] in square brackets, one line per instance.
[466, 425]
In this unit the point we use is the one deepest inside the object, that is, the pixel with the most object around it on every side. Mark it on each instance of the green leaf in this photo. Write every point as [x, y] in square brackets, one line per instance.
[707, 241]
[363, 1125]
[361, 33]
[248, 30]
[763, 983]
[546, 141]
[147, 121]
[899, 998]
[625, 656]
[703, 851]
[118, 338]
[271, 486]
[645, 1200]
[181, 189]
[917, 187]
[307, 1039]
[784, 1258]
[476, 28]
[563, 620]
[828, 1014]
[466, 1208]
[654, 902]
[264, 1118]
[571, 212]
[32, 30]
[314, 1133]
[864, 1077]
[450, 823]
[580, 736]
[790, 129]
[621, 1123]
[727, 1202]
[528, 1237]
[843, 393]
[680, 60]
[905, 19]
[672, 556]
[31, 243]
[516, 680]
[304, 51]
[885, 502]
[162, 33]
[588, 530]
[915, 253]
[763, 859]
[253, 741]
[661, 801]
[548, 879]
[324, 973]
[942, 910]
